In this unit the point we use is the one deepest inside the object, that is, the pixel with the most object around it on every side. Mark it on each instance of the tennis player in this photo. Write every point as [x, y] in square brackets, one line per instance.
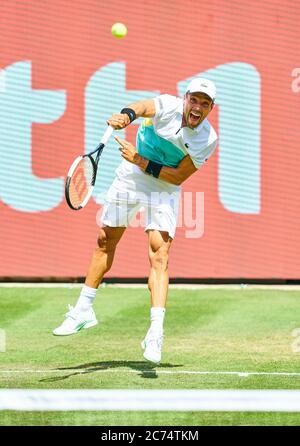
[172, 143]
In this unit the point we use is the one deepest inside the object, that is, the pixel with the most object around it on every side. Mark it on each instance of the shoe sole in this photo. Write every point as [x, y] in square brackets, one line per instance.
[143, 345]
[90, 324]
[151, 359]
[83, 327]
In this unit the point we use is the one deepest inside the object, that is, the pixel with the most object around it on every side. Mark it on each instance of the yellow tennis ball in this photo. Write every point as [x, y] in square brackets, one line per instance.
[119, 30]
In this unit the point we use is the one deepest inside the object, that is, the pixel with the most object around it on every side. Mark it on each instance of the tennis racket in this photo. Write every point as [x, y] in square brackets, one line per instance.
[82, 175]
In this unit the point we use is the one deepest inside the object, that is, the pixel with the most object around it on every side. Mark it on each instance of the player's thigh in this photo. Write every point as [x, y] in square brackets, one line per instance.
[109, 237]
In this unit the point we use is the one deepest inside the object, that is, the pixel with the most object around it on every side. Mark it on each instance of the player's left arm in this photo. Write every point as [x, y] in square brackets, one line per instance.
[174, 175]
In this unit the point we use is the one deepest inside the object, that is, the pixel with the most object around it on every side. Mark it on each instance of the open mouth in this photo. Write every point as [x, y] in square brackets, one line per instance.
[194, 118]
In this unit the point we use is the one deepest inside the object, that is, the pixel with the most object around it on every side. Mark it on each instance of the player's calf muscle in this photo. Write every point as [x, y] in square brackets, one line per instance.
[103, 255]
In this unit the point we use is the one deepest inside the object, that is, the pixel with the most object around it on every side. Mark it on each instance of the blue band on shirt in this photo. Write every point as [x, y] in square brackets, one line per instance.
[157, 149]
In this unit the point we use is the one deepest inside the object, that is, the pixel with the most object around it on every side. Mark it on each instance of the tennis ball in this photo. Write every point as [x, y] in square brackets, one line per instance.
[119, 30]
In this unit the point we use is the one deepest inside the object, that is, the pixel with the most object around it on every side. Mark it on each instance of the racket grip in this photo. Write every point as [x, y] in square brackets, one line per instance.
[107, 135]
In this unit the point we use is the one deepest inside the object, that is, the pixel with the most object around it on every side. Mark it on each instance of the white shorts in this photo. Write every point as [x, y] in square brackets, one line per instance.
[162, 217]
[132, 190]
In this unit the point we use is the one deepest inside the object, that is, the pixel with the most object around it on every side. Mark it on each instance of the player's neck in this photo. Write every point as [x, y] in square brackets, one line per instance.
[183, 122]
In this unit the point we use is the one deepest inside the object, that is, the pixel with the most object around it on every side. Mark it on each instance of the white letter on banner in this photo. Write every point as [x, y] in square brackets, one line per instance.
[20, 107]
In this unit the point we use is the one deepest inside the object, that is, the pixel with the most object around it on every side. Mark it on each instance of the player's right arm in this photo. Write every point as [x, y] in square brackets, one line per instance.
[142, 109]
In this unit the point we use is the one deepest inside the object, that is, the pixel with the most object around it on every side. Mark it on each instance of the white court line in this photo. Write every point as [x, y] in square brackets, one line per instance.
[158, 372]
[158, 400]
[140, 285]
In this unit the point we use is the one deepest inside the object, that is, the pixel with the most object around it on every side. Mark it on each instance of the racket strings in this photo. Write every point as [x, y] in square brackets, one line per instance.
[81, 181]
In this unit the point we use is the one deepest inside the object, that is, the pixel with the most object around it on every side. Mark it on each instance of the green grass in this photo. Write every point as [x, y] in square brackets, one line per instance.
[243, 330]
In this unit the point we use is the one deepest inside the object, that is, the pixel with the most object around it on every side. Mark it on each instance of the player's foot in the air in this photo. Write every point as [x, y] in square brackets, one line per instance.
[152, 344]
[75, 321]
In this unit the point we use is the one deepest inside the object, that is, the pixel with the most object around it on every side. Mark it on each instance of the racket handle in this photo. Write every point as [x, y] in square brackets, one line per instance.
[107, 135]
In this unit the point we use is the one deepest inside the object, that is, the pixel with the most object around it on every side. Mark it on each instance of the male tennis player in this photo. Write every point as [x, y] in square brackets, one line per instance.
[172, 144]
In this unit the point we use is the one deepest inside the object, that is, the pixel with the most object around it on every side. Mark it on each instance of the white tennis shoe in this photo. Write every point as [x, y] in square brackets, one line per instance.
[75, 321]
[152, 344]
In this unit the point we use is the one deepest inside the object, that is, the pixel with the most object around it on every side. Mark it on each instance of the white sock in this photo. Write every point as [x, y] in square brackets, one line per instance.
[86, 298]
[157, 319]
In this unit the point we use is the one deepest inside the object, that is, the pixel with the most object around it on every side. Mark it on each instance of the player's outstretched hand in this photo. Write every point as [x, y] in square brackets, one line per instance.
[119, 121]
[128, 151]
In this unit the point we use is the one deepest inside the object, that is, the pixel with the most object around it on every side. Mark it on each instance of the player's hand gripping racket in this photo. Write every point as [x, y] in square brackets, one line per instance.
[82, 174]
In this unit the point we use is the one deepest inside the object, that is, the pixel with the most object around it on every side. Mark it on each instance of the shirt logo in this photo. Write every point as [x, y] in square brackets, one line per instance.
[187, 145]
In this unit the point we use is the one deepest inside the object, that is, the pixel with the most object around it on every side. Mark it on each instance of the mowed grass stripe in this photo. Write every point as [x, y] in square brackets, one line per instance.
[248, 331]
[212, 330]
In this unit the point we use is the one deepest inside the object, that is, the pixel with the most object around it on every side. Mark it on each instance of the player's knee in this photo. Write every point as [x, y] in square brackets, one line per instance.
[102, 240]
[159, 259]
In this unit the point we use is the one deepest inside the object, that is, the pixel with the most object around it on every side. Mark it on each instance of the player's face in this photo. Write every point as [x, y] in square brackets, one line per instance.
[196, 108]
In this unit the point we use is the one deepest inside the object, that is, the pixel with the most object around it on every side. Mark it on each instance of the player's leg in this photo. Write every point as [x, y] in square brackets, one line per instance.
[161, 228]
[82, 315]
[116, 216]
[103, 255]
[101, 262]
[158, 283]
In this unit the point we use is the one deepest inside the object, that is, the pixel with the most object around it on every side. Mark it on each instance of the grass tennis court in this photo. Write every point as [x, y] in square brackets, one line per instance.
[210, 330]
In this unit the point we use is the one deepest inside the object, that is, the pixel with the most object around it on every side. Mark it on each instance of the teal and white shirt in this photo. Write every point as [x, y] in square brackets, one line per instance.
[162, 139]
